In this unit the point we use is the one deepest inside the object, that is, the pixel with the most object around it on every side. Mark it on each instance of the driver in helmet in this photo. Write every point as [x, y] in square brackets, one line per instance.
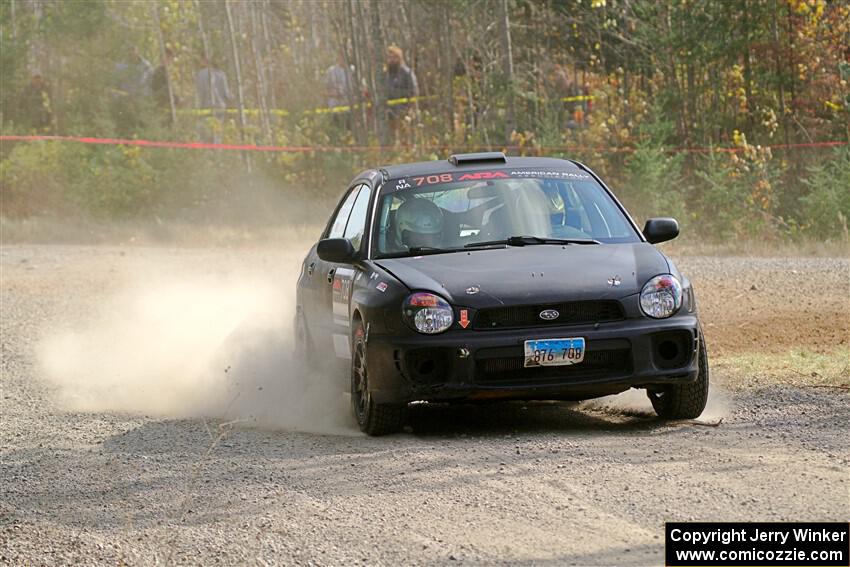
[555, 201]
[419, 222]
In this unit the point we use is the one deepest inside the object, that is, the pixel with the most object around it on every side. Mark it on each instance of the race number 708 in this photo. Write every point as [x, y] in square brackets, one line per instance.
[431, 179]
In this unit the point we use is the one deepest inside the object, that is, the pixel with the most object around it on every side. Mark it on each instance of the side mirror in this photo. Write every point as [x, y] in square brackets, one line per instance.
[336, 250]
[660, 229]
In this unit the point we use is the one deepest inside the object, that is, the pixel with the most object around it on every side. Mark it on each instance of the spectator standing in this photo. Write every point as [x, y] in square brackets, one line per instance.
[132, 85]
[399, 83]
[36, 110]
[339, 84]
[160, 87]
[339, 90]
[212, 93]
[133, 75]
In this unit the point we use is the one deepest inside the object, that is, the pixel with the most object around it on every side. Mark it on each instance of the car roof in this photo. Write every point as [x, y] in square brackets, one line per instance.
[442, 166]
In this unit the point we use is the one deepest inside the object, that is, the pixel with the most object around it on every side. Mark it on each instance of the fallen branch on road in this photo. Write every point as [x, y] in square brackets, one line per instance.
[702, 423]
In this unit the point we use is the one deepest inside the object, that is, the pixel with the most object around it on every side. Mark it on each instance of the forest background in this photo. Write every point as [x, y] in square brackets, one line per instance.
[733, 116]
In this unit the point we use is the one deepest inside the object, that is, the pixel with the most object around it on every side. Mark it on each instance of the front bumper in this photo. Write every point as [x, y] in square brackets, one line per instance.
[478, 365]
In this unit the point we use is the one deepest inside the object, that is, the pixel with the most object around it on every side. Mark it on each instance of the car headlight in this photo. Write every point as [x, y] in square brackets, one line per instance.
[661, 297]
[428, 313]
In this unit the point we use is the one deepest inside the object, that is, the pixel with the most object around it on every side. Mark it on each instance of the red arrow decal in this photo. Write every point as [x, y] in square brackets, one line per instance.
[464, 318]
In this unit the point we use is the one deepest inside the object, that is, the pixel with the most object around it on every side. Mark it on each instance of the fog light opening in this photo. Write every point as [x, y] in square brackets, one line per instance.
[668, 350]
[425, 367]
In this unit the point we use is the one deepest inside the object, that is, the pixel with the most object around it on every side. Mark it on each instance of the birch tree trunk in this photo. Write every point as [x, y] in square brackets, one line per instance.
[259, 76]
[376, 51]
[507, 68]
[448, 73]
[205, 43]
[270, 62]
[164, 60]
[780, 82]
[359, 116]
[239, 93]
[246, 156]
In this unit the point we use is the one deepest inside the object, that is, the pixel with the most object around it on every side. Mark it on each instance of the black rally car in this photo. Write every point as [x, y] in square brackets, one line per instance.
[490, 277]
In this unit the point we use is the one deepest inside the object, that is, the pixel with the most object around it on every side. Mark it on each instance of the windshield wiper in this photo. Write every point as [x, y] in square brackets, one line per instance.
[419, 251]
[531, 240]
[428, 249]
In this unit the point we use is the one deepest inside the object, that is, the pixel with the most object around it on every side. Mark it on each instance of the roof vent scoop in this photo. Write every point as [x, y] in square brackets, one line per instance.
[482, 157]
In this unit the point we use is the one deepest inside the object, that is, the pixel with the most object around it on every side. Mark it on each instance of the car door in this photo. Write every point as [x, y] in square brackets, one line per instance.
[317, 277]
[339, 278]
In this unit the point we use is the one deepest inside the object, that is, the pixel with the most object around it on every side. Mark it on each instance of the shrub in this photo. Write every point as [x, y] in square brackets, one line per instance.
[737, 192]
[33, 179]
[101, 181]
[826, 207]
[655, 184]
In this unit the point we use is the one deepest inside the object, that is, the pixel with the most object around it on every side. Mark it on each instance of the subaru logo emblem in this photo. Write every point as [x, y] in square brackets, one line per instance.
[549, 314]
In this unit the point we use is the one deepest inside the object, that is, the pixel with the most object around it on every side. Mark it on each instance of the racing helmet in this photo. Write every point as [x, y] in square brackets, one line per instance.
[419, 222]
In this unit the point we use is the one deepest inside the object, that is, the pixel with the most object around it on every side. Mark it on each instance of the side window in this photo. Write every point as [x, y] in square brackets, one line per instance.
[602, 214]
[357, 220]
[338, 228]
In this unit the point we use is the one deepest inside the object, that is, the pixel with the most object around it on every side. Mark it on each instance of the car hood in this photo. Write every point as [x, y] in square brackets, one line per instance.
[531, 274]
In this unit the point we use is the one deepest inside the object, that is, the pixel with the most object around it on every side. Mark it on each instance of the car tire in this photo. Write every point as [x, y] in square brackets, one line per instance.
[684, 401]
[372, 418]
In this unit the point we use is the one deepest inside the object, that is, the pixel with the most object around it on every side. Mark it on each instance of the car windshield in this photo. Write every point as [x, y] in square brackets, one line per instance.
[460, 212]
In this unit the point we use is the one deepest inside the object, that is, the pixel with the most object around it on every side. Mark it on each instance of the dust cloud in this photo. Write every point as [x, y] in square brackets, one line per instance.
[177, 341]
[187, 333]
[635, 402]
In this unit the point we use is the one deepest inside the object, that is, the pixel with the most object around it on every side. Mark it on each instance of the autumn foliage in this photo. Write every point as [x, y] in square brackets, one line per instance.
[716, 112]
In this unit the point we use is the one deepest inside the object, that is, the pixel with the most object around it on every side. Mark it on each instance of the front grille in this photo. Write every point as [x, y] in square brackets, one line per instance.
[510, 370]
[571, 313]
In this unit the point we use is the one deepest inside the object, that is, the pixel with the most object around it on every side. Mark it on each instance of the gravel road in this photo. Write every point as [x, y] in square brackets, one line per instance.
[125, 472]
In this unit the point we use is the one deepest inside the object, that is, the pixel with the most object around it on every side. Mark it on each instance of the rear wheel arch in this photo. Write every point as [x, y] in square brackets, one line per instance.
[357, 320]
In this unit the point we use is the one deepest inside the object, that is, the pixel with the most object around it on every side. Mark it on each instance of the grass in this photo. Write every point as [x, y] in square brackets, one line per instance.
[758, 248]
[797, 367]
[69, 230]
[43, 230]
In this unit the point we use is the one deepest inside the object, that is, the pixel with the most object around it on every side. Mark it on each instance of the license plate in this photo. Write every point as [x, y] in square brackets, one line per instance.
[554, 352]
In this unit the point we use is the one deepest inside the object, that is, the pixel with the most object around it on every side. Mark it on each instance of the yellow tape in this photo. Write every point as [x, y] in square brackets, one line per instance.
[282, 112]
[336, 109]
[396, 101]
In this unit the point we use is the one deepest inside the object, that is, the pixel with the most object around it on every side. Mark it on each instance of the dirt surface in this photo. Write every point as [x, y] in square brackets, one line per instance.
[559, 484]
[772, 304]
